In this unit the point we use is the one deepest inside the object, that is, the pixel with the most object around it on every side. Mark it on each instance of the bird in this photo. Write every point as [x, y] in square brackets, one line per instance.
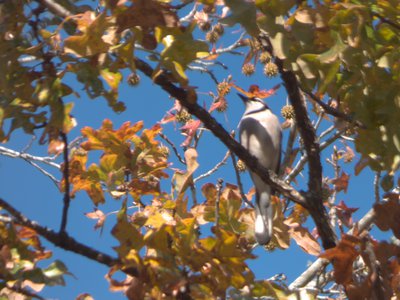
[260, 133]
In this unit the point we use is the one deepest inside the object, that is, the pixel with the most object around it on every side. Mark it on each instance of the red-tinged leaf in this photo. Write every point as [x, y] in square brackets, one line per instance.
[98, 215]
[343, 257]
[219, 104]
[304, 239]
[341, 183]
[189, 129]
[344, 213]
[168, 118]
[254, 91]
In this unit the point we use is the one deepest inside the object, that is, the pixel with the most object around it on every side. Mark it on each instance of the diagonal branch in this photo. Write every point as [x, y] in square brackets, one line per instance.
[332, 111]
[62, 240]
[210, 123]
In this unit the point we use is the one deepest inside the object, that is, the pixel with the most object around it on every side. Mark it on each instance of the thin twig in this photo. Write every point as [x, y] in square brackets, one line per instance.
[23, 291]
[239, 181]
[387, 21]
[53, 179]
[238, 43]
[190, 15]
[214, 169]
[165, 138]
[376, 186]
[326, 132]
[303, 160]
[48, 160]
[333, 111]
[67, 186]
[204, 70]
[220, 181]
[29, 145]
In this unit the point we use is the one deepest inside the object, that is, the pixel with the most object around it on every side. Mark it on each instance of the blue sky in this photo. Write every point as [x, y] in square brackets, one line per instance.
[36, 197]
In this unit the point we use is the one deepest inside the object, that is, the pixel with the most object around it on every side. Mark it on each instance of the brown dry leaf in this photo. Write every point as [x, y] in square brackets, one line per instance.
[344, 213]
[147, 14]
[341, 183]
[360, 165]
[304, 239]
[387, 216]
[358, 291]
[342, 258]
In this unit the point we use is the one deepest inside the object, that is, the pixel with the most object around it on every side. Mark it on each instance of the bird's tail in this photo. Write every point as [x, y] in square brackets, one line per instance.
[264, 216]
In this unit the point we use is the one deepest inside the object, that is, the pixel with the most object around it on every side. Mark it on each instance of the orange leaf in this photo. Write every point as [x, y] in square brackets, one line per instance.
[342, 258]
[254, 91]
[304, 239]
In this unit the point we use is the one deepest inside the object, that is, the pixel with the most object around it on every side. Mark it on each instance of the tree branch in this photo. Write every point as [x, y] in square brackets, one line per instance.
[165, 138]
[55, 8]
[210, 123]
[320, 263]
[62, 240]
[214, 169]
[332, 111]
[314, 203]
[67, 186]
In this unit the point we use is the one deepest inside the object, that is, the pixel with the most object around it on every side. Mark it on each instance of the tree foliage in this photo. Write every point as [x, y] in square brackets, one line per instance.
[339, 64]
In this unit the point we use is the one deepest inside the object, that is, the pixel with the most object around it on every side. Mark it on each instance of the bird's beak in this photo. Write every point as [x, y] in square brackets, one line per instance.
[244, 98]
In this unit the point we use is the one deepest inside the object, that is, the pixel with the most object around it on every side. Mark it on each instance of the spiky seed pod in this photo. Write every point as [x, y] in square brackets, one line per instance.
[287, 112]
[133, 79]
[204, 26]
[183, 116]
[271, 69]
[241, 167]
[223, 105]
[223, 88]
[219, 28]
[265, 57]
[248, 69]
[212, 36]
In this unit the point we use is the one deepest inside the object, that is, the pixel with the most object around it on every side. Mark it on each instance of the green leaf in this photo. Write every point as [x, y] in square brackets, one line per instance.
[243, 13]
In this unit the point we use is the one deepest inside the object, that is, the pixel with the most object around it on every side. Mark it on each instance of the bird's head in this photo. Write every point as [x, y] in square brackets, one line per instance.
[253, 103]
